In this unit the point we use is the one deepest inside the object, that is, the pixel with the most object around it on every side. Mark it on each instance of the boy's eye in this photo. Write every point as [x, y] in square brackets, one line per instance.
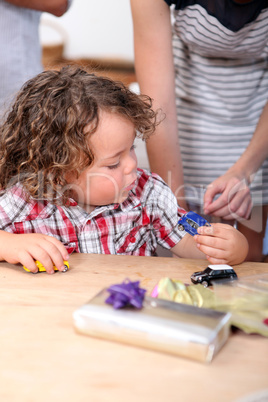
[118, 163]
[114, 166]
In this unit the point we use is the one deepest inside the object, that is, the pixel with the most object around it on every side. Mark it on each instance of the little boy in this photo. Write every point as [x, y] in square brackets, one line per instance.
[69, 179]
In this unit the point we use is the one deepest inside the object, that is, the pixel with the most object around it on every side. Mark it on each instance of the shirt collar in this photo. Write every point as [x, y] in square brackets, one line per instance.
[131, 202]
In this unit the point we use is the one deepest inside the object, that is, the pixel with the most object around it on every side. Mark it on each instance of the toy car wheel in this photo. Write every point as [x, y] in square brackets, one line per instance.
[65, 268]
[205, 284]
[180, 227]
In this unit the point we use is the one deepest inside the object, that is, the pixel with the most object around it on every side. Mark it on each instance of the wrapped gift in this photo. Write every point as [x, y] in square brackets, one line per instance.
[162, 325]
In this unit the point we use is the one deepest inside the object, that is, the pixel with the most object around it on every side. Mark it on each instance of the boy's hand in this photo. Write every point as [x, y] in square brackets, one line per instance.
[222, 244]
[26, 248]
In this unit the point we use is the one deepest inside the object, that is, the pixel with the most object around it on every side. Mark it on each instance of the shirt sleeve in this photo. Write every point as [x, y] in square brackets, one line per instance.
[6, 222]
[171, 2]
[164, 214]
[13, 208]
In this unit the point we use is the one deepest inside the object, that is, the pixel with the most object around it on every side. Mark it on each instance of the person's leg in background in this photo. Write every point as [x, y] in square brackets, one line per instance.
[265, 244]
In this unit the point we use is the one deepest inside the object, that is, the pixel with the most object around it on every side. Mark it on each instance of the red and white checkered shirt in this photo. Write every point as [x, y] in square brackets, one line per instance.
[146, 218]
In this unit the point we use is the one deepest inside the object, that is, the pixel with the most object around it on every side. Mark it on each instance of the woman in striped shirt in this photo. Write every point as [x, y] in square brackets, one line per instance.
[207, 68]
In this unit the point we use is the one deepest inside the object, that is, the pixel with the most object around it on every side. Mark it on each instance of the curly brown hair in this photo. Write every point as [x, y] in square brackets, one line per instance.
[44, 133]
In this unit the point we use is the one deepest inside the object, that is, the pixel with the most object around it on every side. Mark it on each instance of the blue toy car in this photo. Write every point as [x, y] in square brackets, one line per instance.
[191, 221]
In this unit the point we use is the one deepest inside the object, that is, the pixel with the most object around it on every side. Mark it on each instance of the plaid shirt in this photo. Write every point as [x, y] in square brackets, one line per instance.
[146, 218]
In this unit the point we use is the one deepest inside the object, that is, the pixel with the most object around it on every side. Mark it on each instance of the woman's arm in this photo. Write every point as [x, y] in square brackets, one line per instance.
[155, 75]
[55, 7]
[233, 185]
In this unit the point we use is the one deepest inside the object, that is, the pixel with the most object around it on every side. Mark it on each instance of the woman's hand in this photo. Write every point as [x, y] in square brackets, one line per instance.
[222, 244]
[234, 201]
[26, 248]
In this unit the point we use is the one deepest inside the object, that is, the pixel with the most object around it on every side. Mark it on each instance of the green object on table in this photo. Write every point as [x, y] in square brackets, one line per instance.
[249, 309]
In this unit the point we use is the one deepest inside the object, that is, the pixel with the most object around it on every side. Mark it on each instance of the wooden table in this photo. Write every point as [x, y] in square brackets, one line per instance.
[42, 358]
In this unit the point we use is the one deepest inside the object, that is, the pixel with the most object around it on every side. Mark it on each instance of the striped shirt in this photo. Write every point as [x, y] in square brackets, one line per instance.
[20, 49]
[221, 66]
[148, 217]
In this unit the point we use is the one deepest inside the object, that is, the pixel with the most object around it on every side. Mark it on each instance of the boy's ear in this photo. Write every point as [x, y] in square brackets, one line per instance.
[70, 176]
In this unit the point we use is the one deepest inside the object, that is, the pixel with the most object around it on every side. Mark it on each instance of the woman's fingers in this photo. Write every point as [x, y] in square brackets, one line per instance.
[233, 201]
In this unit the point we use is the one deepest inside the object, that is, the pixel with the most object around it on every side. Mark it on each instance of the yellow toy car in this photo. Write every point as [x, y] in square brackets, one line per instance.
[41, 267]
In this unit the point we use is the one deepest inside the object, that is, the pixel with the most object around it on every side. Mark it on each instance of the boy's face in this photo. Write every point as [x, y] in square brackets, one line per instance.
[113, 173]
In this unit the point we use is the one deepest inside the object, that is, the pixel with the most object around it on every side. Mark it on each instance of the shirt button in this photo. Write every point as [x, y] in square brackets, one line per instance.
[132, 239]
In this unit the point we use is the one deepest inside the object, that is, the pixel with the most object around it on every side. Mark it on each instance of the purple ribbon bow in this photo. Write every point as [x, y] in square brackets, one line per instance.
[126, 294]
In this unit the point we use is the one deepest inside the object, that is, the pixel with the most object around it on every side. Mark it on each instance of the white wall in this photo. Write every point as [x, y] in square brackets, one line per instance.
[92, 29]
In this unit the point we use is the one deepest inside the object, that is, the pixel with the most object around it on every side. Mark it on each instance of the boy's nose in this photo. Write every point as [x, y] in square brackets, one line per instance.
[131, 165]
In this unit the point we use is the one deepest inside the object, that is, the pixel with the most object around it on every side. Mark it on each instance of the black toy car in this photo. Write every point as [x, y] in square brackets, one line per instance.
[214, 273]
